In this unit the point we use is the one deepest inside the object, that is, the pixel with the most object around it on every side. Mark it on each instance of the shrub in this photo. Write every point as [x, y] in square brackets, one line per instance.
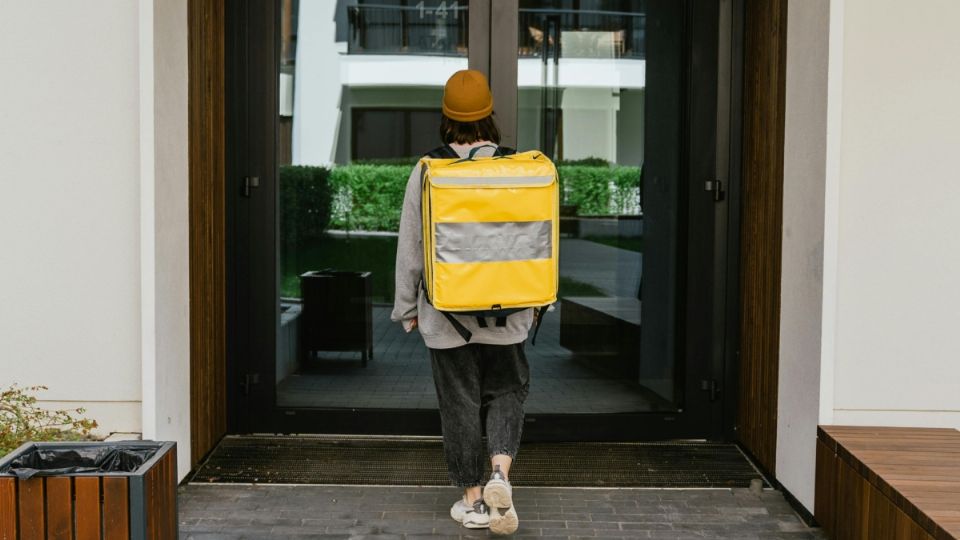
[600, 190]
[21, 420]
[408, 161]
[590, 161]
[411, 161]
[305, 202]
[627, 183]
[369, 197]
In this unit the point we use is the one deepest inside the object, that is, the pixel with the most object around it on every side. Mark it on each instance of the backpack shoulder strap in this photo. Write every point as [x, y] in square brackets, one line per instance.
[442, 152]
[446, 152]
[538, 320]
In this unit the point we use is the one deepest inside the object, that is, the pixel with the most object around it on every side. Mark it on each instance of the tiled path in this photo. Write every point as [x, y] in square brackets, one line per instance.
[382, 513]
[399, 376]
[613, 270]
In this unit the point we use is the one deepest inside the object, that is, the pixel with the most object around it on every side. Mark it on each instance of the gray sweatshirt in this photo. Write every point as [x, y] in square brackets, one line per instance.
[410, 302]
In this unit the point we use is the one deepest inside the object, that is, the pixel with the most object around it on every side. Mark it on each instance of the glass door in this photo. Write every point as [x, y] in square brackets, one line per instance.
[581, 85]
[332, 103]
[605, 88]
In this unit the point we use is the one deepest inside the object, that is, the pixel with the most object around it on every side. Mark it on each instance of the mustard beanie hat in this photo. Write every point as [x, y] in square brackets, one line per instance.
[467, 97]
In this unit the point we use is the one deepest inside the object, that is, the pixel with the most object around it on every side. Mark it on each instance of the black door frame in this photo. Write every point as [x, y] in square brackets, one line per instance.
[706, 333]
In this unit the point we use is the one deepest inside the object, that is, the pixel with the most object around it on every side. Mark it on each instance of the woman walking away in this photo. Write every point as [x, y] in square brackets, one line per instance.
[481, 385]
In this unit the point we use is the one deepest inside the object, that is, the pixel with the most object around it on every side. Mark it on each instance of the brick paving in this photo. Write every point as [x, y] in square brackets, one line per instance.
[614, 271]
[406, 513]
[399, 377]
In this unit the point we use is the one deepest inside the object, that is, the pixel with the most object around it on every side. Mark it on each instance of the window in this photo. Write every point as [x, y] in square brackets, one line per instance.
[411, 132]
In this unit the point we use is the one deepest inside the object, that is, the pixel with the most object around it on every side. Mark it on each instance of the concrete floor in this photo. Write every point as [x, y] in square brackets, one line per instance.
[224, 511]
[399, 376]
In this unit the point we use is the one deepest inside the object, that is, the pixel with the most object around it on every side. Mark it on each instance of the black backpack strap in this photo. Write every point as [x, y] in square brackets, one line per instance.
[443, 152]
[481, 321]
[501, 321]
[458, 326]
[447, 152]
[540, 312]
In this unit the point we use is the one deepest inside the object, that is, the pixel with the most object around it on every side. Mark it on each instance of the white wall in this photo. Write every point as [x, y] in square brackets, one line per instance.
[93, 217]
[590, 123]
[585, 73]
[898, 267]
[871, 199]
[317, 85]
[801, 295]
[69, 209]
[165, 290]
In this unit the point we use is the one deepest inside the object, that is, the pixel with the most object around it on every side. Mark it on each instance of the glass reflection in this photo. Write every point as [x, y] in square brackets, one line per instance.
[360, 88]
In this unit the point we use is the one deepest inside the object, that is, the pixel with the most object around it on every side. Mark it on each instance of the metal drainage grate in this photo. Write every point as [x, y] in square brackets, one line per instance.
[403, 461]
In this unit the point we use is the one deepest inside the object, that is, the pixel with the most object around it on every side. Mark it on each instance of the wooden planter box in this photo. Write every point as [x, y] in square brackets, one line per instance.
[108, 505]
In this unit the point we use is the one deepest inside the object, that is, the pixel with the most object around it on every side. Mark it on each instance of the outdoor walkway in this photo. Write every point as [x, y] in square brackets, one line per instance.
[614, 271]
[400, 377]
[382, 513]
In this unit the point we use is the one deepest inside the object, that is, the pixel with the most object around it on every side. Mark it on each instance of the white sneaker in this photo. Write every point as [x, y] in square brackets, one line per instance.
[473, 516]
[498, 494]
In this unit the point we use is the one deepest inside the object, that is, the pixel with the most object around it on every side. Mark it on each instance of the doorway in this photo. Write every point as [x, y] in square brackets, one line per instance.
[328, 107]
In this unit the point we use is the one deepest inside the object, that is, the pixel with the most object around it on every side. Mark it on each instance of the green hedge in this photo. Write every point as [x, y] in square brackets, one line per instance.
[305, 202]
[600, 190]
[411, 161]
[408, 161]
[369, 197]
[590, 162]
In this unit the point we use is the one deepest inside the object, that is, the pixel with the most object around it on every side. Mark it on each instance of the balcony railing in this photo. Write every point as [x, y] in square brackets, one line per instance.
[383, 29]
[442, 31]
[584, 33]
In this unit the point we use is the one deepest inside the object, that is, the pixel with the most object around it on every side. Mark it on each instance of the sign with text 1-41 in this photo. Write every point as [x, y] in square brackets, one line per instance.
[442, 10]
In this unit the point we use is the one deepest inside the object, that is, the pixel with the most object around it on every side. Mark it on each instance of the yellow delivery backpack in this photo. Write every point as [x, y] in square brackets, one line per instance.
[490, 234]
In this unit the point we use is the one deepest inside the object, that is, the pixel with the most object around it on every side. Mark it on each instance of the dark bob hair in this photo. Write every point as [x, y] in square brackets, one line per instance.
[485, 129]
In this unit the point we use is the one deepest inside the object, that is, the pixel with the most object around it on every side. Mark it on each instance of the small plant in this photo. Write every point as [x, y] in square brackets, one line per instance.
[22, 420]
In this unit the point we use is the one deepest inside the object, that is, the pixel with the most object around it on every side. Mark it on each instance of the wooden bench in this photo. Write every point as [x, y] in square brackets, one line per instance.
[879, 483]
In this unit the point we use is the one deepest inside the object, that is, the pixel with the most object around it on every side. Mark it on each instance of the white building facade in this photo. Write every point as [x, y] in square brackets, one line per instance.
[94, 288]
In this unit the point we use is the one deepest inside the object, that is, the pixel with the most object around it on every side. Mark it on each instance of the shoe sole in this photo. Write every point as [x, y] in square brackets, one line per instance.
[504, 524]
[468, 524]
[471, 525]
[498, 496]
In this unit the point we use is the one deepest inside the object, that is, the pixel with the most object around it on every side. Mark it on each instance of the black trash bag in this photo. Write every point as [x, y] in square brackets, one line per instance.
[85, 459]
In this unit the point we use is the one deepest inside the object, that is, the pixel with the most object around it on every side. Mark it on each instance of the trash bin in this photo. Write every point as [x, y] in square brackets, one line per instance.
[124, 489]
[337, 312]
[569, 222]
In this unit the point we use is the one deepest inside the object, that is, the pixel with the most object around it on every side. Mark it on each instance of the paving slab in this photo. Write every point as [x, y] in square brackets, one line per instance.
[400, 377]
[242, 511]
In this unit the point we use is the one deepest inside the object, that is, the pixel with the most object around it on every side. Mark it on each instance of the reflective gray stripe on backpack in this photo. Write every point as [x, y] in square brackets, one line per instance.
[494, 241]
[491, 180]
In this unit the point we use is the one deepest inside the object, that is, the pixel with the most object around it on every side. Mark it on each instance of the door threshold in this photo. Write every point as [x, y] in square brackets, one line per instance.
[419, 461]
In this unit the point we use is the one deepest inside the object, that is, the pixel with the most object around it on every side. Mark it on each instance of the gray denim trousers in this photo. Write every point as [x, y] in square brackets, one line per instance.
[481, 388]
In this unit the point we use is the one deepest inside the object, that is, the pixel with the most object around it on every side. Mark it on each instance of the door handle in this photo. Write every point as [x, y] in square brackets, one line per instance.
[250, 182]
[716, 188]
[712, 387]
